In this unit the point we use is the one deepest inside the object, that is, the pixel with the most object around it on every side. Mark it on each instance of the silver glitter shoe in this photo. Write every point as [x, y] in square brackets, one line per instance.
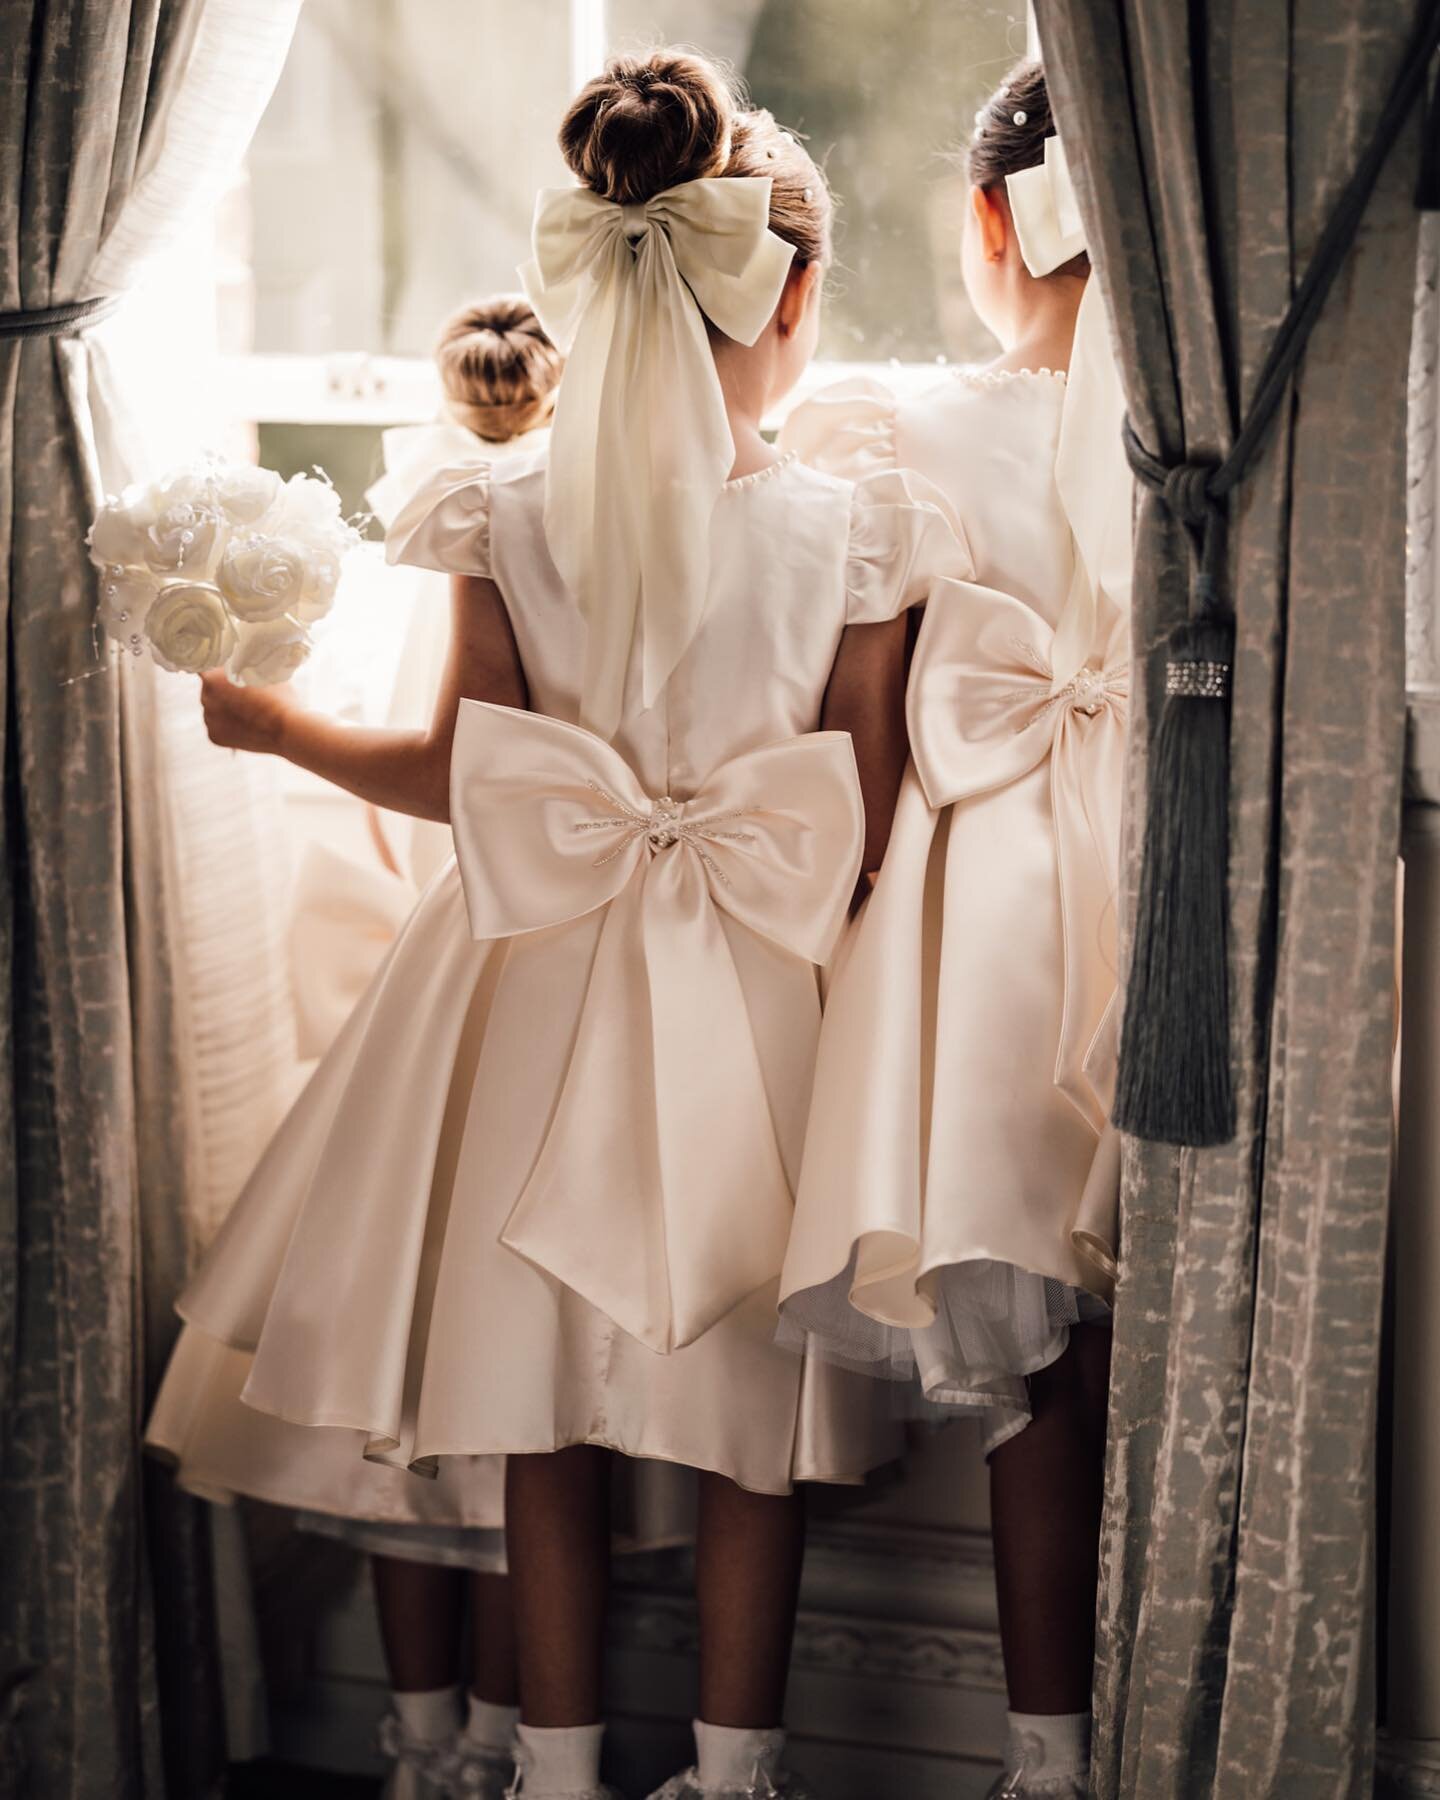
[419, 1771]
[516, 1790]
[761, 1787]
[1056, 1787]
[474, 1771]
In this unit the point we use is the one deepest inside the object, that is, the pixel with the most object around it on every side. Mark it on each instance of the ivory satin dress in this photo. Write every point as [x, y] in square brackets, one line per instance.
[538, 1193]
[957, 1208]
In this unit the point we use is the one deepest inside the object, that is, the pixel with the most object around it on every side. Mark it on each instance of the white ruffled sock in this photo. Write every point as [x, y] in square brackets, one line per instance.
[492, 1726]
[726, 1756]
[560, 1761]
[1049, 1747]
[430, 1717]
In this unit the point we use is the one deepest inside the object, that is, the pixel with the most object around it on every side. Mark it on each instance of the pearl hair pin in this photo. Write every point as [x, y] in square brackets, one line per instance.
[1022, 118]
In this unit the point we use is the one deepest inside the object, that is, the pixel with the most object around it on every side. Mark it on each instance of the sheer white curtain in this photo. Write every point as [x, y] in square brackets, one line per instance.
[152, 400]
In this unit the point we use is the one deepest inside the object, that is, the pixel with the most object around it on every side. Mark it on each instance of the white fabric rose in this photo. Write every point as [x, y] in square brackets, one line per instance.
[322, 577]
[310, 508]
[264, 577]
[186, 539]
[120, 535]
[188, 628]
[125, 601]
[268, 652]
[194, 486]
[246, 495]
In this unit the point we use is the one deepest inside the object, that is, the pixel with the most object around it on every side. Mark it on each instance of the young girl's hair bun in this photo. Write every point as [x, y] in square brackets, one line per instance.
[649, 123]
[1011, 127]
[1010, 133]
[498, 369]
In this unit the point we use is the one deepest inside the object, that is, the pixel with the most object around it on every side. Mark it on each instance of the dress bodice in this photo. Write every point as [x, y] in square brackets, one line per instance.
[988, 442]
[796, 554]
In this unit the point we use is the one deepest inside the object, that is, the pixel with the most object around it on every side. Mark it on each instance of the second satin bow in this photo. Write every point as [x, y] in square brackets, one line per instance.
[985, 708]
[659, 1194]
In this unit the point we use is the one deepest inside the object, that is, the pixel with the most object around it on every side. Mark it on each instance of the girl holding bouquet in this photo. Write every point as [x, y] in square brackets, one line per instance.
[436, 1547]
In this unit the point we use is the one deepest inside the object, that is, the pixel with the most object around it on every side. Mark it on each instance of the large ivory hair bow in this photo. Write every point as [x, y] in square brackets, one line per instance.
[984, 709]
[1046, 212]
[659, 1193]
[641, 446]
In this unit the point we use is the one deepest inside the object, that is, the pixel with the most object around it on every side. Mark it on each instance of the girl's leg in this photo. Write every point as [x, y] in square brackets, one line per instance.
[493, 1675]
[420, 1608]
[557, 1512]
[1046, 1488]
[748, 1555]
[487, 1745]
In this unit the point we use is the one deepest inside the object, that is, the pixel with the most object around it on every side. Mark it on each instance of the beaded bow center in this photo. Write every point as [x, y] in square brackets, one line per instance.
[664, 826]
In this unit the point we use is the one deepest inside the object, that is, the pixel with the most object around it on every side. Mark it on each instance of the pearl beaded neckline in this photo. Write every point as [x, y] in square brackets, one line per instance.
[999, 377]
[759, 475]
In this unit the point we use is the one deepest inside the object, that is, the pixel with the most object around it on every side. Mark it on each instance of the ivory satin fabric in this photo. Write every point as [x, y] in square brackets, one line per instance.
[364, 1275]
[954, 1218]
[347, 915]
[413, 453]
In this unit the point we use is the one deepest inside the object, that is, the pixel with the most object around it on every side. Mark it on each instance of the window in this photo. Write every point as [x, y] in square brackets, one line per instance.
[394, 173]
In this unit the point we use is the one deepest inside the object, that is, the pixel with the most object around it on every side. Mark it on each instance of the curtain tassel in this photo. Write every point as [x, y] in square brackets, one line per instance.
[1175, 1082]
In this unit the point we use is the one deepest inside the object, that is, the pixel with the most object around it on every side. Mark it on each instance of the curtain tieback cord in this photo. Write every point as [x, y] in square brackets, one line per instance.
[68, 320]
[1175, 1080]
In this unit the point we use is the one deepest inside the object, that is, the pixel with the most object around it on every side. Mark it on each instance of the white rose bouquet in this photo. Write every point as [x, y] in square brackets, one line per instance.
[220, 564]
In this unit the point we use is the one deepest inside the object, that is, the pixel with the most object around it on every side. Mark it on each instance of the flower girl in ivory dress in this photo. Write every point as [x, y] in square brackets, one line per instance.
[499, 375]
[536, 1200]
[437, 1546]
[956, 1212]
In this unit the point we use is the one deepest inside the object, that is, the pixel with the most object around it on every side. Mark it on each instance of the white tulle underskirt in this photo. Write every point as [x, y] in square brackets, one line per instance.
[995, 1326]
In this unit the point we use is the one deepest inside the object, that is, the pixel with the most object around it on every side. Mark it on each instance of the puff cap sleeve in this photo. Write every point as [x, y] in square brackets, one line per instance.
[904, 540]
[846, 430]
[445, 524]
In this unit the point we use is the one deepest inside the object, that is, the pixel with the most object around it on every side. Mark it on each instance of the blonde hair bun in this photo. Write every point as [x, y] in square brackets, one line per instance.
[649, 123]
[498, 369]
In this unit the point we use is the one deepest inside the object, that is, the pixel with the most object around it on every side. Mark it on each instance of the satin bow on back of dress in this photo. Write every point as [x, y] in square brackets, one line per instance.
[654, 1196]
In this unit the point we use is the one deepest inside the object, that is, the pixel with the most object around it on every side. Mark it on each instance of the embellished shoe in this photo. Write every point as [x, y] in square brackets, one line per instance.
[516, 1791]
[474, 1771]
[782, 1786]
[420, 1769]
[1053, 1787]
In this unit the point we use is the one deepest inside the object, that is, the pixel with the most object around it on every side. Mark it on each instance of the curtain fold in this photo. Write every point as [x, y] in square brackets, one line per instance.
[102, 1601]
[1208, 143]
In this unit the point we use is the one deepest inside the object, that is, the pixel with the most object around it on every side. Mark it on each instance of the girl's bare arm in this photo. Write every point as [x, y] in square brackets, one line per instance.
[866, 697]
[406, 771]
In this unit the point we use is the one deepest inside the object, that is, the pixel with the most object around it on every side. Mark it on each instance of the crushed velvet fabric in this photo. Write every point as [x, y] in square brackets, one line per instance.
[1208, 143]
[104, 1602]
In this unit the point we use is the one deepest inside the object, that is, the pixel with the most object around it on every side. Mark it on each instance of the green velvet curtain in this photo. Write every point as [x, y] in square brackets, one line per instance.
[1209, 141]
